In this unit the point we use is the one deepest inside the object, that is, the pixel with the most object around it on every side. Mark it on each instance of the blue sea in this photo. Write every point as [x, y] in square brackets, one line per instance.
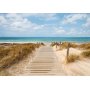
[44, 39]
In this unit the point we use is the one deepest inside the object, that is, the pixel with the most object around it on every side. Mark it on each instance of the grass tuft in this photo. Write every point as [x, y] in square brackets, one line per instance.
[85, 46]
[72, 58]
[86, 53]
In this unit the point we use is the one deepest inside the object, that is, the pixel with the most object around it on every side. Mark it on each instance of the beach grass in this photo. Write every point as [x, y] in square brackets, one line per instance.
[11, 54]
[85, 46]
[72, 58]
[73, 45]
[86, 53]
[64, 45]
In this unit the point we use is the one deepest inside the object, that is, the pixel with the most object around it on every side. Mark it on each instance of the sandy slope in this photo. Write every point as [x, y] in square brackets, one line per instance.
[18, 69]
[79, 67]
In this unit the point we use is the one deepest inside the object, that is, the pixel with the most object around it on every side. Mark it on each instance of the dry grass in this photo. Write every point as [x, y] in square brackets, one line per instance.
[15, 52]
[86, 53]
[4, 73]
[85, 46]
[53, 44]
[72, 58]
[72, 45]
[64, 45]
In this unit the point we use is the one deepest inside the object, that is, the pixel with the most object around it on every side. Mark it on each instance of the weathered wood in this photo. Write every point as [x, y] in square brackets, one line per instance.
[68, 51]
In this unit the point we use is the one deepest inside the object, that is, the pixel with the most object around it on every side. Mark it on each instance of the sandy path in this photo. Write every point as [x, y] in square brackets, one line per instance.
[44, 62]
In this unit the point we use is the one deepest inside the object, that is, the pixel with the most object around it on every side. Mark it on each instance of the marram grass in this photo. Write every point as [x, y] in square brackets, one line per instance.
[64, 45]
[72, 58]
[86, 53]
[15, 52]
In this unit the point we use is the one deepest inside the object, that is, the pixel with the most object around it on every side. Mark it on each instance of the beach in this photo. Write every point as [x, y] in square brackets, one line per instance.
[27, 59]
[80, 67]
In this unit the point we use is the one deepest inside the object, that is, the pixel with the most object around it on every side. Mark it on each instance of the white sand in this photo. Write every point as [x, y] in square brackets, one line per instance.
[55, 59]
[79, 67]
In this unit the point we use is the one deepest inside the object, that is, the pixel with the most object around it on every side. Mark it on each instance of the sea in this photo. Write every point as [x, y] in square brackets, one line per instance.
[43, 39]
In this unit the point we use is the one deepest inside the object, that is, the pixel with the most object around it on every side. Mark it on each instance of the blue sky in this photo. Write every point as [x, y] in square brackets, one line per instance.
[44, 25]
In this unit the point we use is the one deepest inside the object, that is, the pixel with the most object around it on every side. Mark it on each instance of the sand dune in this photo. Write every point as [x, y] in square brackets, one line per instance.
[79, 67]
[48, 60]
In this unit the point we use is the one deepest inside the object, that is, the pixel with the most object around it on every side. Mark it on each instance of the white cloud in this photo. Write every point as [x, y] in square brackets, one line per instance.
[38, 27]
[72, 18]
[19, 24]
[87, 23]
[16, 22]
[72, 31]
[2, 20]
[46, 16]
[59, 30]
[76, 32]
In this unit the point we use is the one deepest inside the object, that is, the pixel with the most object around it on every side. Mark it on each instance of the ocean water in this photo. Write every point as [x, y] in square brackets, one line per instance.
[44, 39]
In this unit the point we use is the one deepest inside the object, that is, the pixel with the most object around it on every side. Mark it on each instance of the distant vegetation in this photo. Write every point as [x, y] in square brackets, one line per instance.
[12, 53]
[85, 46]
[73, 45]
[64, 45]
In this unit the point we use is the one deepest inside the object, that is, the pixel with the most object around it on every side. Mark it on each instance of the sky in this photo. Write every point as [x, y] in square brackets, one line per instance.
[44, 25]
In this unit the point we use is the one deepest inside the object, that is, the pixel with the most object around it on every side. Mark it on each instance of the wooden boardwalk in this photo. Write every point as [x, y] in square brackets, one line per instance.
[44, 62]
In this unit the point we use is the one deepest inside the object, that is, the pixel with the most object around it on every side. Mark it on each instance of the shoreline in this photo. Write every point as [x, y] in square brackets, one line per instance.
[44, 39]
[19, 52]
[48, 42]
